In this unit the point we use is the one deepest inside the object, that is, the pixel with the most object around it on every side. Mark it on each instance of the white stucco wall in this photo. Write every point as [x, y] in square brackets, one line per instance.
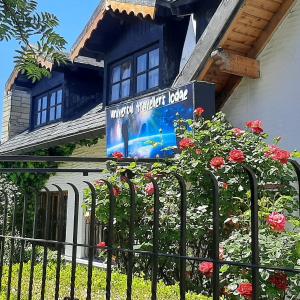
[77, 179]
[275, 97]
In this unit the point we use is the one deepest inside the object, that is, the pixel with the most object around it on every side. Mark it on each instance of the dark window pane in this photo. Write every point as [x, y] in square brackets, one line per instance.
[153, 58]
[59, 97]
[45, 102]
[39, 104]
[44, 116]
[125, 88]
[52, 113]
[115, 92]
[52, 100]
[142, 63]
[126, 70]
[58, 111]
[116, 74]
[153, 78]
[141, 84]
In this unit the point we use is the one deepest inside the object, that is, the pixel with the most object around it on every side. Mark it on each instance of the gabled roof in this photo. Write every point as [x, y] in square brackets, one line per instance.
[88, 126]
[142, 8]
[81, 60]
[241, 27]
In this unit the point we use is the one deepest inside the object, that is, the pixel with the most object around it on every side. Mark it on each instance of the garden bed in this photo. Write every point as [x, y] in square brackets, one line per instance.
[141, 288]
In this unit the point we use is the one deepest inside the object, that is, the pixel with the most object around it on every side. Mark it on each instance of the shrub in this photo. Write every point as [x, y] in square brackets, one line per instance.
[211, 146]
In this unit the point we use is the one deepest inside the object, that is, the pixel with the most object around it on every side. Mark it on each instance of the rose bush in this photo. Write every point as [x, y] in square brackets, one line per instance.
[212, 146]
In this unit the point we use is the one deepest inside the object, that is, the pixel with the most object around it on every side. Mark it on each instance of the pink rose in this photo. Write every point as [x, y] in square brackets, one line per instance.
[186, 143]
[150, 189]
[117, 192]
[277, 221]
[238, 132]
[99, 182]
[245, 290]
[198, 151]
[236, 156]
[102, 245]
[278, 154]
[217, 163]
[207, 269]
[256, 126]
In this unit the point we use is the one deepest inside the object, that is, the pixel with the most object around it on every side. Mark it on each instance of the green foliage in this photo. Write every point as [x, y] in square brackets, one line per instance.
[207, 140]
[141, 288]
[21, 21]
[28, 183]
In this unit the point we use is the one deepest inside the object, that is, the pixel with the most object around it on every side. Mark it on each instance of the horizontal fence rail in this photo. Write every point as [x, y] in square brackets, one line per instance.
[23, 239]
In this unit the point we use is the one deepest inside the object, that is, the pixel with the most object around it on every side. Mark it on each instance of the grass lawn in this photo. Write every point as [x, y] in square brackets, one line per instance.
[141, 288]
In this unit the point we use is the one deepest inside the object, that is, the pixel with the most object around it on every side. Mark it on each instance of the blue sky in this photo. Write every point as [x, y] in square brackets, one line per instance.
[73, 16]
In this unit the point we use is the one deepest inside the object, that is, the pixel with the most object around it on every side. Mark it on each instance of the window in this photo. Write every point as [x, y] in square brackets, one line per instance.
[121, 81]
[48, 107]
[147, 71]
[57, 216]
[135, 75]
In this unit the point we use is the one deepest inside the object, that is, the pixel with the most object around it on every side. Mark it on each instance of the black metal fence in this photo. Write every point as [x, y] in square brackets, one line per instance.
[9, 234]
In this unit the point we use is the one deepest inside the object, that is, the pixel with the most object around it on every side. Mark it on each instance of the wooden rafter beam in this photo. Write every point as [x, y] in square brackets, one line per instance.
[231, 63]
[268, 32]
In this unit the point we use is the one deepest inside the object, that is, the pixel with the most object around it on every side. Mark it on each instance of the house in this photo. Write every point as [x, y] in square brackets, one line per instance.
[135, 54]
[249, 51]
[129, 51]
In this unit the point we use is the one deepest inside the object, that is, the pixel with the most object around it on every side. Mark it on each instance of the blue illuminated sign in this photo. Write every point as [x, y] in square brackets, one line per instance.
[144, 127]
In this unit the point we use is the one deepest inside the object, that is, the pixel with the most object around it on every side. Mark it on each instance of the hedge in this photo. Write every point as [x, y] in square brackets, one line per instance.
[141, 287]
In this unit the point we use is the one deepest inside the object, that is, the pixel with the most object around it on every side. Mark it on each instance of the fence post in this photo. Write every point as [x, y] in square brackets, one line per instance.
[182, 250]
[91, 241]
[2, 245]
[12, 247]
[155, 240]
[254, 232]
[216, 238]
[110, 238]
[74, 246]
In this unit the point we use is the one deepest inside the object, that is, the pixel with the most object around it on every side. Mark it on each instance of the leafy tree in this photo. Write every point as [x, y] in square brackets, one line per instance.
[21, 21]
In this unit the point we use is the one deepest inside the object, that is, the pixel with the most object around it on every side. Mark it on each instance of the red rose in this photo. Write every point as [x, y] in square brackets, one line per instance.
[280, 280]
[186, 143]
[207, 269]
[238, 132]
[278, 154]
[101, 245]
[272, 149]
[277, 221]
[217, 163]
[116, 191]
[282, 156]
[150, 189]
[118, 155]
[199, 112]
[256, 126]
[236, 156]
[245, 290]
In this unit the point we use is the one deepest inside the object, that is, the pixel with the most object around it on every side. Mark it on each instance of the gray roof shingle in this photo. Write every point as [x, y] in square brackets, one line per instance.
[88, 125]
